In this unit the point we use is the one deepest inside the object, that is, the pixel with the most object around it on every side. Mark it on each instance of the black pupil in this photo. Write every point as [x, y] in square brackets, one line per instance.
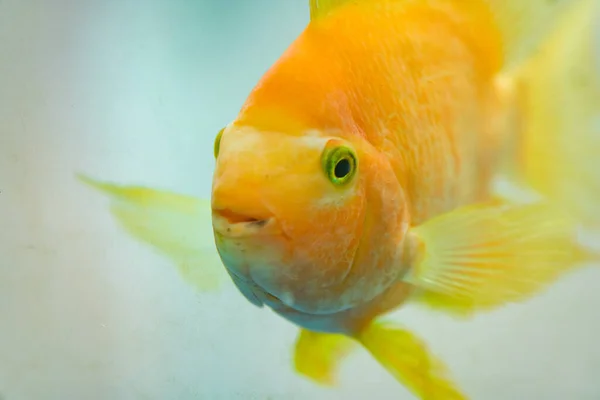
[342, 168]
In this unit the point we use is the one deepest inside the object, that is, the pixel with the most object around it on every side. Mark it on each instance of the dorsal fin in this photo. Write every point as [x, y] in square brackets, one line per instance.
[319, 8]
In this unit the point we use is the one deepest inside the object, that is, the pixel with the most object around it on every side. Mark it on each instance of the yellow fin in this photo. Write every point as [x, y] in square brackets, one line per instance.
[560, 113]
[485, 255]
[406, 357]
[317, 356]
[319, 8]
[177, 226]
[525, 24]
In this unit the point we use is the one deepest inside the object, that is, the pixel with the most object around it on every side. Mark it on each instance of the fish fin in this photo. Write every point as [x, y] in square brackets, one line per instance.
[485, 255]
[176, 225]
[319, 8]
[559, 96]
[524, 25]
[406, 357]
[317, 356]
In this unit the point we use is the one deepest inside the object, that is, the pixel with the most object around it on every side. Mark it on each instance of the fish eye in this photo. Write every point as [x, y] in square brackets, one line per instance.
[339, 164]
[217, 144]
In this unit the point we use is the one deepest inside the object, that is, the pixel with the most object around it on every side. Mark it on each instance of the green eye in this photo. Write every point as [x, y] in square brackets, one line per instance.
[339, 164]
[218, 142]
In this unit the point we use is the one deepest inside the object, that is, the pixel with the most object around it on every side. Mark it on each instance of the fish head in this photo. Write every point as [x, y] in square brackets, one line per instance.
[291, 217]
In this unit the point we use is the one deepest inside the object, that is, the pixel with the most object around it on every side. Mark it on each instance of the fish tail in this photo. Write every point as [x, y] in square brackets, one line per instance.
[175, 225]
[407, 358]
[558, 101]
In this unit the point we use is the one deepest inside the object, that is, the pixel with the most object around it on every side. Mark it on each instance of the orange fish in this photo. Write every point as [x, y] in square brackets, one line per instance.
[359, 175]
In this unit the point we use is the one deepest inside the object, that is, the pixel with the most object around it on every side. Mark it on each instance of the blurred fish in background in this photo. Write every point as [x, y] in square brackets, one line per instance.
[321, 165]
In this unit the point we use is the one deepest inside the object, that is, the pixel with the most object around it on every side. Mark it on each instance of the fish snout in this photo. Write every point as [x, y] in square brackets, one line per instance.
[230, 223]
[237, 213]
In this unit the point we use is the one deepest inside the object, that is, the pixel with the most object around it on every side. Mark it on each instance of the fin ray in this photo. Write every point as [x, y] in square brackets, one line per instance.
[486, 255]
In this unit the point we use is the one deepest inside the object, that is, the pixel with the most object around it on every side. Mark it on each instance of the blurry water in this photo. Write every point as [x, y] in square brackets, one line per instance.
[134, 91]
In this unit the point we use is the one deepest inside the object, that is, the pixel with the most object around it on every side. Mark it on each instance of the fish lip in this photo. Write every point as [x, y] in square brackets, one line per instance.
[262, 227]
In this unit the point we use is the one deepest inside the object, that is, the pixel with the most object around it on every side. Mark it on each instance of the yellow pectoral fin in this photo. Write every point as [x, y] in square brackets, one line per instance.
[177, 226]
[317, 356]
[486, 255]
[406, 357]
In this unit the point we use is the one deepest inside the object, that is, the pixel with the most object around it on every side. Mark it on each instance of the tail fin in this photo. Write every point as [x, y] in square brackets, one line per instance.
[524, 25]
[406, 357]
[559, 96]
[177, 226]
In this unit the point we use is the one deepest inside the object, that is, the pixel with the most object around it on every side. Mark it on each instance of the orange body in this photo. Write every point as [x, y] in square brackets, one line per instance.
[410, 85]
[414, 78]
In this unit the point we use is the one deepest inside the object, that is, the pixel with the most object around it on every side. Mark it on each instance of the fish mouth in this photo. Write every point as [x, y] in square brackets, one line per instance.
[239, 238]
[229, 223]
[235, 218]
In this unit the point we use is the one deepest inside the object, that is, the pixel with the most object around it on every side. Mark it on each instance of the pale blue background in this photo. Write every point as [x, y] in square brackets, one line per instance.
[134, 91]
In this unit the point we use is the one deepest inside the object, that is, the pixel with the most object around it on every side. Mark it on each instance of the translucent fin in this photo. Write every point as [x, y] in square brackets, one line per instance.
[317, 356]
[483, 256]
[318, 8]
[177, 226]
[560, 114]
[524, 24]
[406, 357]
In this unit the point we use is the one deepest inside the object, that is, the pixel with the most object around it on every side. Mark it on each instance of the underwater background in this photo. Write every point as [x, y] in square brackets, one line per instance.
[134, 91]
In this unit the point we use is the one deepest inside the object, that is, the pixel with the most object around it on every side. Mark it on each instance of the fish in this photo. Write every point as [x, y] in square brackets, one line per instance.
[360, 176]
